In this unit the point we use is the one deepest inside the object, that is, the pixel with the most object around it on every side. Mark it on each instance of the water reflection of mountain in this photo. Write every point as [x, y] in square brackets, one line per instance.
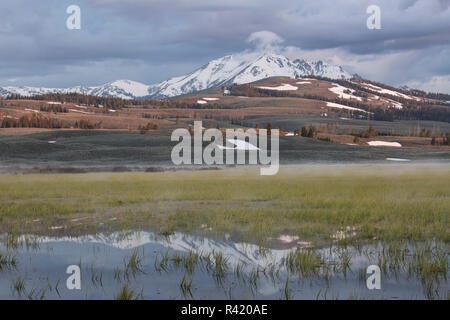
[249, 254]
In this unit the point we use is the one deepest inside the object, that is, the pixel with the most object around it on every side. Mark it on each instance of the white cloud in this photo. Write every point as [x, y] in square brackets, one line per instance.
[265, 40]
[433, 84]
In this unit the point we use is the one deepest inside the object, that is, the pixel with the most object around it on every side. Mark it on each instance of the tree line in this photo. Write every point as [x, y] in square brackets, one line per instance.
[35, 121]
[107, 102]
[39, 121]
[53, 108]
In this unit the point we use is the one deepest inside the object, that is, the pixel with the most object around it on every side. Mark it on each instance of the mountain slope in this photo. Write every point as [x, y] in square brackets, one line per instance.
[244, 68]
[239, 69]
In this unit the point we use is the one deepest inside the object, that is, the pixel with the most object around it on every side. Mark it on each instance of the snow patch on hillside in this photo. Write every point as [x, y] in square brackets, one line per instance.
[32, 110]
[283, 87]
[398, 159]
[340, 106]
[339, 90]
[387, 91]
[384, 144]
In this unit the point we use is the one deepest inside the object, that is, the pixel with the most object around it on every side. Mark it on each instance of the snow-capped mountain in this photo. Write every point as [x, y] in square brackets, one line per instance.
[244, 68]
[240, 68]
[125, 89]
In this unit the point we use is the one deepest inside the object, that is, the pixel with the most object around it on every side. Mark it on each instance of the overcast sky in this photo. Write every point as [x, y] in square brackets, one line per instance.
[152, 40]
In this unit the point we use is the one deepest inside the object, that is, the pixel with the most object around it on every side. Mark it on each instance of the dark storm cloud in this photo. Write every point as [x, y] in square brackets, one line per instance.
[151, 40]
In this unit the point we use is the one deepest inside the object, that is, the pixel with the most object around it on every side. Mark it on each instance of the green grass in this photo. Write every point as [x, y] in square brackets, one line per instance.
[133, 264]
[18, 287]
[185, 286]
[90, 151]
[303, 262]
[314, 202]
[8, 261]
[127, 294]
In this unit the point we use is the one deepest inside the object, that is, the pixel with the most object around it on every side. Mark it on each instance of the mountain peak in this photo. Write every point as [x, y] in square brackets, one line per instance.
[124, 82]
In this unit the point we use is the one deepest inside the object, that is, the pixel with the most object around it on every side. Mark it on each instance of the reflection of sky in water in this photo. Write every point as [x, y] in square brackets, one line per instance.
[103, 254]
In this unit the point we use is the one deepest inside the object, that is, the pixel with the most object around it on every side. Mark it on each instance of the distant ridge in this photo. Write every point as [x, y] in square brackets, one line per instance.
[240, 68]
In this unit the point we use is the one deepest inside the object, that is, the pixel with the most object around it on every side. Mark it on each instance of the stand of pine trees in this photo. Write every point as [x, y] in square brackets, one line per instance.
[86, 124]
[108, 103]
[443, 140]
[35, 121]
[307, 132]
[149, 126]
[38, 121]
[54, 108]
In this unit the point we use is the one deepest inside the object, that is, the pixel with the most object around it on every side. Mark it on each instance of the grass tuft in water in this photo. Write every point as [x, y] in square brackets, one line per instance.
[7, 261]
[303, 262]
[128, 294]
[185, 286]
[133, 265]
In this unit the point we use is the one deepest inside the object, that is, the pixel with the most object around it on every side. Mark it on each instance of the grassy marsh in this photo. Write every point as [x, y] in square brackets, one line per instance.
[317, 203]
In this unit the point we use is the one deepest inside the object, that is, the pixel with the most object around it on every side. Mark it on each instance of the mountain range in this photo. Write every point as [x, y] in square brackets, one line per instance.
[239, 69]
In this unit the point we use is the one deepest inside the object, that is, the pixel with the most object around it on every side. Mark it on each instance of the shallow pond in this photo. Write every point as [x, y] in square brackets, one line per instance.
[145, 265]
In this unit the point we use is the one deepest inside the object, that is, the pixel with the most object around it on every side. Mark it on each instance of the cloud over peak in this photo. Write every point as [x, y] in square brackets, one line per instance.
[265, 41]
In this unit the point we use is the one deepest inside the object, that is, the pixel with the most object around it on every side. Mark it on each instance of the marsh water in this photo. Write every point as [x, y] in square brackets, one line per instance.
[145, 265]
